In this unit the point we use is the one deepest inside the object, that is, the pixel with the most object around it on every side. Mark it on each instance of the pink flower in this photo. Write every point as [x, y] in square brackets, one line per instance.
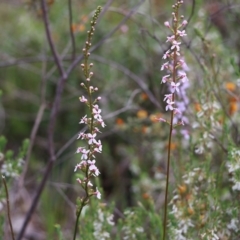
[76, 167]
[184, 23]
[182, 33]
[181, 122]
[96, 130]
[80, 165]
[167, 24]
[165, 78]
[166, 54]
[94, 170]
[84, 119]
[171, 38]
[102, 123]
[169, 105]
[97, 112]
[98, 194]
[81, 135]
[89, 183]
[183, 76]
[91, 162]
[161, 120]
[99, 146]
[83, 99]
[84, 154]
[175, 45]
[176, 111]
[164, 66]
[91, 138]
[79, 150]
[175, 86]
[168, 96]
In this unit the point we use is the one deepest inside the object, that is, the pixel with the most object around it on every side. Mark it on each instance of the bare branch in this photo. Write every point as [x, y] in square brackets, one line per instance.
[49, 38]
[71, 29]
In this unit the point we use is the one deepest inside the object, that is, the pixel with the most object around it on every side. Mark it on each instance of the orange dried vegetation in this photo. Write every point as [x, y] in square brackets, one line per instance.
[230, 86]
[119, 121]
[197, 107]
[144, 96]
[142, 114]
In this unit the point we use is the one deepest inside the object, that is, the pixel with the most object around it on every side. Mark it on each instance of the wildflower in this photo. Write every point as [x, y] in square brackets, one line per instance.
[98, 194]
[181, 33]
[165, 78]
[233, 225]
[84, 119]
[162, 120]
[175, 46]
[166, 54]
[175, 86]
[85, 154]
[165, 66]
[94, 170]
[83, 99]
[91, 138]
[170, 39]
[177, 81]
[97, 112]
[170, 104]
[87, 165]
[167, 24]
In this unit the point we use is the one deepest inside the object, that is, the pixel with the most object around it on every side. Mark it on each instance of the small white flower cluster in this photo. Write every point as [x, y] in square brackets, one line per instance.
[234, 225]
[131, 232]
[233, 166]
[183, 206]
[99, 225]
[207, 120]
[11, 168]
[175, 66]
[211, 234]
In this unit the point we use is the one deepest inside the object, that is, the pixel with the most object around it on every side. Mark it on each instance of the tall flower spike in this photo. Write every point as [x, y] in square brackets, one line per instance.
[176, 81]
[175, 67]
[92, 121]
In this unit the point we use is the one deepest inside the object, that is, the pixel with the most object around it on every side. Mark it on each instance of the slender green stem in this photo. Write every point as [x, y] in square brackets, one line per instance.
[8, 207]
[167, 180]
[84, 202]
[169, 142]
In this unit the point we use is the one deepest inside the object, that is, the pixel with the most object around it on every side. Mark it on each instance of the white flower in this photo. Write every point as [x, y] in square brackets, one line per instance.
[165, 78]
[236, 186]
[98, 194]
[181, 33]
[83, 99]
[175, 45]
[84, 119]
[167, 24]
[234, 224]
[91, 138]
[94, 170]
[175, 86]
[84, 154]
[110, 220]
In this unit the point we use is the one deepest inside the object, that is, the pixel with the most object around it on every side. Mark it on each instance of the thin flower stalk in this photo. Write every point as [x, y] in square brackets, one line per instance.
[175, 79]
[87, 165]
